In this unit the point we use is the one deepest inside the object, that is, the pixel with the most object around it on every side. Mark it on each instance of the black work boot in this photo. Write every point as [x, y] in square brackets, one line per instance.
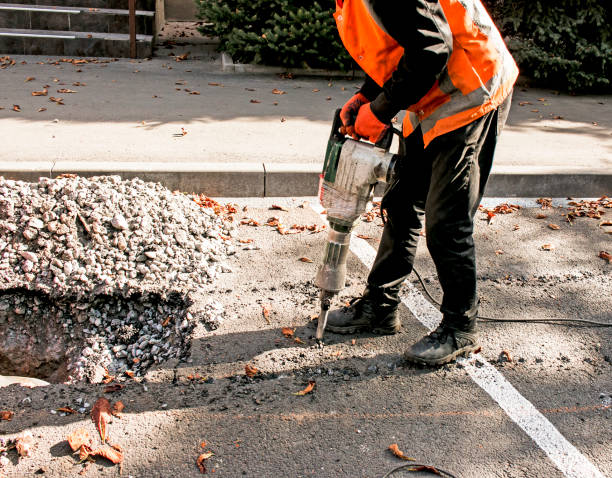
[374, 311]
[445, 344]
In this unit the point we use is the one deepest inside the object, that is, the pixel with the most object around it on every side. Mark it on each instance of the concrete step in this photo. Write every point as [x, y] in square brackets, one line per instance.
[69, 43]
[75, 19]
[120, 4]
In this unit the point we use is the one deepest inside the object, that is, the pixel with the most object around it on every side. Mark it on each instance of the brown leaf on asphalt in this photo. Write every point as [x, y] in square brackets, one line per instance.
[111, 453]
[250, 89]
[84, 452]
[541, 216]
[523, 103]
[29, 78]
[309, 388]
[548, 247]
[266, 313]
[115, 387]
[41, 109]
[101, 414]
[428, 468]
[297, 340]
[505, 355]
[363, 236]
[554, 227]
[40, 93]
[605, 223]
[499, 252]
[287, 332]
[245, 241]
[606, 255]
[17, 108]
[65, 410]
[316, 90]
[557, 117]
[66, 90]
[201, 459]
[398, 453]
[255, 101]
[118, 407]
[183, 57]
[79, 83]
[212, 83]
[78, 438]
[24, 443]
[59, 101]
[129, 373]
[194, 93]
[306, 259]
[6, 415]
[276, 91]
[516, 227]
[279, 208]
[250, 371]
[535, 111]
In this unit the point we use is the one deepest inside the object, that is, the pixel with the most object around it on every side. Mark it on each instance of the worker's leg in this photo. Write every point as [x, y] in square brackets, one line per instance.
[461, 162]
[403, 203]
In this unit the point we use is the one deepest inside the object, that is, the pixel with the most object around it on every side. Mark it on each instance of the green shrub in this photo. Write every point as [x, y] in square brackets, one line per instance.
[289, 33]
[564, 44]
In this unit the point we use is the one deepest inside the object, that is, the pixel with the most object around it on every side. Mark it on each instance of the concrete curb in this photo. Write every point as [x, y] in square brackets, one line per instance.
[287, 179]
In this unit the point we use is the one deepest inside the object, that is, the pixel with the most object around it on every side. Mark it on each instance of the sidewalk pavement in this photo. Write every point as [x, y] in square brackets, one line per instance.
[194, 128]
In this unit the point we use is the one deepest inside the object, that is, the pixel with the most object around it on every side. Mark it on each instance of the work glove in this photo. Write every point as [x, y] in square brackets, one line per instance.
[349, 111]
[369, 126]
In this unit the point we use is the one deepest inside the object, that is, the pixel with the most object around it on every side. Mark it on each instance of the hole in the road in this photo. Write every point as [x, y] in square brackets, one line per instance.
[69, 341]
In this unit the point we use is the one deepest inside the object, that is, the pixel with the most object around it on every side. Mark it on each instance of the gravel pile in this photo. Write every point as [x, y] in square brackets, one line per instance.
[107, 264]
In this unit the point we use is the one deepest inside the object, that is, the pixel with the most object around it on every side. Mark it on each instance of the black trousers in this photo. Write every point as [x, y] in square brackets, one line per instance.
[445, 183]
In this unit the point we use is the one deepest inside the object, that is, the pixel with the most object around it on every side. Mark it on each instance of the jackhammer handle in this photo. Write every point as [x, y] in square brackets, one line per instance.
[385, 142]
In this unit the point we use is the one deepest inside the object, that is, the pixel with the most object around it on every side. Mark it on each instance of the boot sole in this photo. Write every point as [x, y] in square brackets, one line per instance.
[361, 328]
[463, 352]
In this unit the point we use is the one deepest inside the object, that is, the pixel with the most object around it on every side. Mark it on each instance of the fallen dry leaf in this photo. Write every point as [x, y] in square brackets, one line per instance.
[101, 414]
[59, 101]
[201, 459]
[255, 101]
[29, 78]
[523, 103]
[79, 83]
[398, 453]
[212, 83]
[541, 216]
[506, 355]
[363, 236]
[516, 227]
[65, 410]
[111, 453]
[546, 203]
[306, 259]
[41, 109]
[6, 415]
[245, 241]
[606, 255]
[78, 438]
[65, 90]
[118, 408]
[353, 341]
[250, 371]
[182, 57]
[316, 90]
[297, 340]
[337, 353]
[279, 208]
[554, 227]
[276, 91]
[40, 93]
[266, 313]
[194, 93]
[309, 388]
[499, 252]
[17, 108]
[548, 247]
[428, 468]
[287, 332]
[115, 387]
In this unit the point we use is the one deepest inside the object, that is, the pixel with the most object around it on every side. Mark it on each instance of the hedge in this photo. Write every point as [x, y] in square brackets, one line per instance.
[565, 44]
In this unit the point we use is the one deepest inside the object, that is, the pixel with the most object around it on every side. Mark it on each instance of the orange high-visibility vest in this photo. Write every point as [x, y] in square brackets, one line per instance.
[479, 75]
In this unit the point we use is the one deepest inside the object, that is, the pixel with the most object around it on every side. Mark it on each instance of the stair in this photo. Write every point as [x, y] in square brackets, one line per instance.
[94, 28]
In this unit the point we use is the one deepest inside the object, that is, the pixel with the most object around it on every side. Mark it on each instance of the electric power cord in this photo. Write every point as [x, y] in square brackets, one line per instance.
[555, 321]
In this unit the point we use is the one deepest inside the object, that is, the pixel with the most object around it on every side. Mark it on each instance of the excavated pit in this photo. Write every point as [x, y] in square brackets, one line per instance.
[71, 341]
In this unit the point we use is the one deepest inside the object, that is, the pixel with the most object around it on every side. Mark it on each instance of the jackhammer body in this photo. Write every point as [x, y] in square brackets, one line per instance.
[350, 173]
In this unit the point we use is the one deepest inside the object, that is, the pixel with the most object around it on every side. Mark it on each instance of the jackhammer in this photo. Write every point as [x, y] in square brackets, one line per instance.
[350, 173]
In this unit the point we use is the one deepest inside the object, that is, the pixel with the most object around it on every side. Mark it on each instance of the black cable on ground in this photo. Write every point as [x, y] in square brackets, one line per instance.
[552, 321]
[417, 467]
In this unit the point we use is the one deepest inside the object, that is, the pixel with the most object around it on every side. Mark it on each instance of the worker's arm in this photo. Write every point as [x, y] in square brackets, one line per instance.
[421, 28]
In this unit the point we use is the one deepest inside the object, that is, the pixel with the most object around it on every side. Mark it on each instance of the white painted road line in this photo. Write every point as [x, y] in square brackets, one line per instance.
[561, 452]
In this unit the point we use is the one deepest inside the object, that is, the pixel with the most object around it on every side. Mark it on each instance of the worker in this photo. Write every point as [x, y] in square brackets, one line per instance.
[446, 64]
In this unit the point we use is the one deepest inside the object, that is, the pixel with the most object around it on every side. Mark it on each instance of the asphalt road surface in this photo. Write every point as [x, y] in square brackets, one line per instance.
[535, 402]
